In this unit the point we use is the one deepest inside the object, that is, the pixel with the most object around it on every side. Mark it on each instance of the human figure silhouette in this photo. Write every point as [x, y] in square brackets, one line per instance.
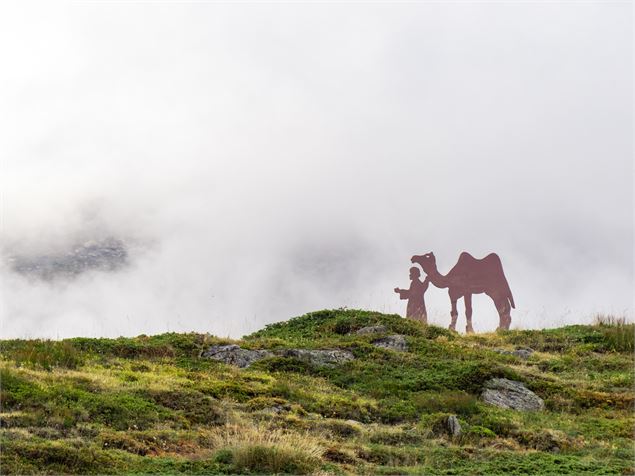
[415, 295]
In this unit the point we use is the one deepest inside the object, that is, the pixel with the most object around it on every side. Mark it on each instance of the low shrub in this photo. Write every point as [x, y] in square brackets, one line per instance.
[396, 410]
[337, 455]
[543, 440]
[478, 432]
[45, 354]
[52, 457]
[264, 459]
[197, 408]
[397, 437]
[17, 391]
[283, 364]
[387, 456]
[457, 402]
[122, 441]
[123, 411]
[501, 425]
[260, 403]
[340, 429]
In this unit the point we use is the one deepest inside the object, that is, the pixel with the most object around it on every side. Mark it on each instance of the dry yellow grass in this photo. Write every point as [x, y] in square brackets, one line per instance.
[235, 435]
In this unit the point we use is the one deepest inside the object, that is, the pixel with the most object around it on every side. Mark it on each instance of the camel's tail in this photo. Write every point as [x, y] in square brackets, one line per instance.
[509, 294]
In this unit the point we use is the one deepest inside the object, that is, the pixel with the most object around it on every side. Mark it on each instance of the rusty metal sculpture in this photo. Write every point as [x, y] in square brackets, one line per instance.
[416, 308]
[472, 276]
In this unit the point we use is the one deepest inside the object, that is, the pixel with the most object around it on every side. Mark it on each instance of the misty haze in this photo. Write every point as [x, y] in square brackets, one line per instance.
[216, 167]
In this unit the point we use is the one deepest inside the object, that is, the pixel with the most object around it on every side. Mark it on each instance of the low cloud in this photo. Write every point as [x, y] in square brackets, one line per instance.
[262, 161]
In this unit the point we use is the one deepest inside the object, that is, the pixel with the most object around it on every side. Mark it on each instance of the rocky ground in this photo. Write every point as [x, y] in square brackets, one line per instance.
[331, 392]
[108, 254]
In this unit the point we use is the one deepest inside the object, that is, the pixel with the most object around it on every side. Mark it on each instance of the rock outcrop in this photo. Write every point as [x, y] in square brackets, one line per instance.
[395, 342]
[318, 357]
[505, 393]
[379, 329]
[520, 352]
[109, 254]
[236, 355]
[449, 426]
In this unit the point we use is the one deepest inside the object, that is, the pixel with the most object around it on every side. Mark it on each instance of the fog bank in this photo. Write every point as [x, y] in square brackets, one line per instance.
[263, 161]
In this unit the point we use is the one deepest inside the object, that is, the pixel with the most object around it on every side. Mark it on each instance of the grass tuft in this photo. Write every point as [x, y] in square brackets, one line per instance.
[263, 450]
[618, 333]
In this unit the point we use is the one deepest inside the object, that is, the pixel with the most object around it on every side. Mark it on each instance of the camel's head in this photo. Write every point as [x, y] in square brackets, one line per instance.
[427, 262]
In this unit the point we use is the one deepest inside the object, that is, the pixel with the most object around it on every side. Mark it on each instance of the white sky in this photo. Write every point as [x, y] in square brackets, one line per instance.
[266, 160]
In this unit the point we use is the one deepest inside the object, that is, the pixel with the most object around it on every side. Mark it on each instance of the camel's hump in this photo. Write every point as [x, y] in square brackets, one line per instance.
[490, 257]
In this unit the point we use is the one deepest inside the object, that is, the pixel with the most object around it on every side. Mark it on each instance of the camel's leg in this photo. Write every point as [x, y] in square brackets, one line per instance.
[454, 314]
[468, 313]
[424, 319]
[506, 317]
[503, 308]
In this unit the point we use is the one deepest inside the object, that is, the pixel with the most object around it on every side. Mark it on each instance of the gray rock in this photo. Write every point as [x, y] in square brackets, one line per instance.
[454, 427]
[275, 409]
[520, 352]
[395, 342]
[108, 254]
[523, 352]
[503, 351]
[319, 357]
[372, 330]
[448, 426]
[505, 393]
[235, 355]
[353, 422]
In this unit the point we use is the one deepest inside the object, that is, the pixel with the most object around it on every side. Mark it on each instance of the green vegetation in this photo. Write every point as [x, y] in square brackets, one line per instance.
[150, 404]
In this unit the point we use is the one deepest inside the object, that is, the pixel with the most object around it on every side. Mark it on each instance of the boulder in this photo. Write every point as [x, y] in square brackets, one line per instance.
[520, 352]
[523, 352]
[235, 355]
[395, 342]
[379, 329]
[454, 427]
[448, 425]
[318, 357]
[505, 393]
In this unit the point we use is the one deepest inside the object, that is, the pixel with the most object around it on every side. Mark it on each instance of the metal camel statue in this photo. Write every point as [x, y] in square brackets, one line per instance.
[472, 276]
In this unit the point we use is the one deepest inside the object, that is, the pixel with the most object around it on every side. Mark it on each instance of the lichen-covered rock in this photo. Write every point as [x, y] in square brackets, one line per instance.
[395, 342]
[372, 330]
[235, 355]
[523, 352]
[544, 440]
[505, 393]
[520, 352]
[447, 425]
[318, 357]
[454, 427]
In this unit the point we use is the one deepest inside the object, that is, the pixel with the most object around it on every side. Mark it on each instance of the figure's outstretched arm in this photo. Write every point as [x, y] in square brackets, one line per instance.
[403, 293]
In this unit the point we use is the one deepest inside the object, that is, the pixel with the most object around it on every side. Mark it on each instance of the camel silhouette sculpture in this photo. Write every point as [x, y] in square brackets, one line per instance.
[472, 276]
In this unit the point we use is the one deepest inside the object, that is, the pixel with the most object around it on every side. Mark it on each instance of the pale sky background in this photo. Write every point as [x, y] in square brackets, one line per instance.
[267, 160]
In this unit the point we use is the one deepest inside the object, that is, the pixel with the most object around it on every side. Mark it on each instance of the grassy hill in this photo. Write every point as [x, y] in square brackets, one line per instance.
[150, 404]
